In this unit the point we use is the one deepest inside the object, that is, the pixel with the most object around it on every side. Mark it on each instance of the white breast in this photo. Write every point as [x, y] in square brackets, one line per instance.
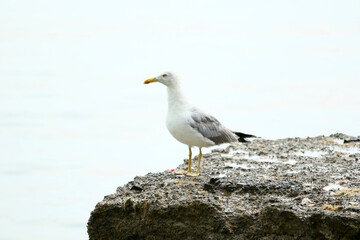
[178, 125]
[178, 119]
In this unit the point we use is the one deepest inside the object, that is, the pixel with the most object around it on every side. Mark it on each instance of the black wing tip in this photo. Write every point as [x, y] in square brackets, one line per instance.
[243, 136]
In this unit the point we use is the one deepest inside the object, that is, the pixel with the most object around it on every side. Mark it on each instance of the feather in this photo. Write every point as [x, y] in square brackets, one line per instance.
[210, 128]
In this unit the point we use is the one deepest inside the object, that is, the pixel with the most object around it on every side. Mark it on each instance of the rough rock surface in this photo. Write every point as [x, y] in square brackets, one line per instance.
[267, 189]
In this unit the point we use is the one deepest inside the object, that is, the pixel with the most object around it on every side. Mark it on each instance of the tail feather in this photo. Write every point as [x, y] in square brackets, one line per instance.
[243, 136]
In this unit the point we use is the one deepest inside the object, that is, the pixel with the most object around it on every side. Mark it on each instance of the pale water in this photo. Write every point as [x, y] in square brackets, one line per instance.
[76, 120]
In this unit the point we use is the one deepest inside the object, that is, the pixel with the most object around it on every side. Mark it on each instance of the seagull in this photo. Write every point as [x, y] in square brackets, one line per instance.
[191, 126]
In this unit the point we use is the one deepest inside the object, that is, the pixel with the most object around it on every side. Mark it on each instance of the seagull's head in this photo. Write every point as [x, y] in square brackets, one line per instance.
[167, 78]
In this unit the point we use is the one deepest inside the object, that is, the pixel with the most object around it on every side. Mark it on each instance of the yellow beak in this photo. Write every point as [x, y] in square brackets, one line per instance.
[150, 80]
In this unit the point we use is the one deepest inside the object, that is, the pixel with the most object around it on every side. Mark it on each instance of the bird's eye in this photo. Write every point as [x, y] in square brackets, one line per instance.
[164, 75]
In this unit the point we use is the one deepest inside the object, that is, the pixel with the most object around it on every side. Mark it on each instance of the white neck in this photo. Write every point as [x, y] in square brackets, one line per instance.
[176, 99]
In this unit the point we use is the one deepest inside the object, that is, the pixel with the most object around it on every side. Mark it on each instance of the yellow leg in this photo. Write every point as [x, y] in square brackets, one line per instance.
[189, 167]
[190, 153]
[197, 173]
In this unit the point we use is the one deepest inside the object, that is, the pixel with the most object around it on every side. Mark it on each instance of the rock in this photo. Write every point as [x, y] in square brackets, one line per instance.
[257, 190]
[305, 201]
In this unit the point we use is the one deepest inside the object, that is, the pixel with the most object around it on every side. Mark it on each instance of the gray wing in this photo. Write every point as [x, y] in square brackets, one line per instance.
[210, 127]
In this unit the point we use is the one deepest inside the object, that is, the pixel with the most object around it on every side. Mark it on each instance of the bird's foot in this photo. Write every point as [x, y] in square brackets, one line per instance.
[190, 174]
[182, 173]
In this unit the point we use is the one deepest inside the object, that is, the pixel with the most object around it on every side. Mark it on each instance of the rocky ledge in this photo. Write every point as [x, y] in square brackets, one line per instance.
[267, 189]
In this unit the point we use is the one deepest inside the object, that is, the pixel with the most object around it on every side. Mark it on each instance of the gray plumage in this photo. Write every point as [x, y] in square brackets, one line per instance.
[210, 127]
